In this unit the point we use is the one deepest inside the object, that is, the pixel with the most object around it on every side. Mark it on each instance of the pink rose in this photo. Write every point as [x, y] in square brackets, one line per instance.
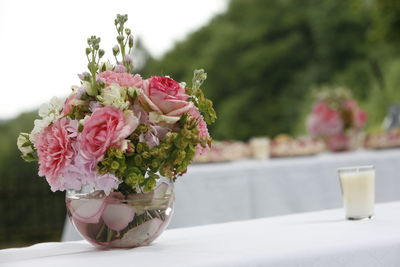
[55, 150]
[122, 79]
[165, 96]
[106, 127]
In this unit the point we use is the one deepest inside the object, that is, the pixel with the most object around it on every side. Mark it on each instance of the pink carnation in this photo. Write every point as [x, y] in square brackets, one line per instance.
[202, 127]
[55, 150]
[106, 127]
[122, 79]
[165, 96]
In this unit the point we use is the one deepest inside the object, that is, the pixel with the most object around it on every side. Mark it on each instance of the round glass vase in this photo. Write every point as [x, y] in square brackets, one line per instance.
[118, 220]
[345, 141]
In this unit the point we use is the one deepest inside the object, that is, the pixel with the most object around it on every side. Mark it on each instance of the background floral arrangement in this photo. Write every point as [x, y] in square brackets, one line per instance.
[334, 116]
[118, 131]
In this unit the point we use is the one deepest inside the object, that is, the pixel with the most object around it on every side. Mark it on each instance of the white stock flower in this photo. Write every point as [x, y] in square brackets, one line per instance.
[50, 112]
[53, 107]
[39, 127]
[114, 95]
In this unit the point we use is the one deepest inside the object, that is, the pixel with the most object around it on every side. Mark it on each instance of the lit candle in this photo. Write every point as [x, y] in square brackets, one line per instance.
[259, 147]
[358, 189]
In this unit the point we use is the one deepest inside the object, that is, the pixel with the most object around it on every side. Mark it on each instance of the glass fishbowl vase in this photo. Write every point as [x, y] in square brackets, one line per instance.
[118, 220]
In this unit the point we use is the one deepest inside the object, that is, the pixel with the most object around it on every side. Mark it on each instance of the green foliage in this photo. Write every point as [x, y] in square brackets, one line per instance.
[265, 56]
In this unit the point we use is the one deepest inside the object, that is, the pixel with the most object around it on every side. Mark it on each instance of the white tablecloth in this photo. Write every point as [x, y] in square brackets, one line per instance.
[222, 192]
[321, 238]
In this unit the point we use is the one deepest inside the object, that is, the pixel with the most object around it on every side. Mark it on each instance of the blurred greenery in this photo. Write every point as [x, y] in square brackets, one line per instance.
[30, 212]
[264, 59]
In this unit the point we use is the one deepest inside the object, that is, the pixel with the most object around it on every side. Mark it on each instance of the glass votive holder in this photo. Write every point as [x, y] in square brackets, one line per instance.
[260, 147]
[358, 191]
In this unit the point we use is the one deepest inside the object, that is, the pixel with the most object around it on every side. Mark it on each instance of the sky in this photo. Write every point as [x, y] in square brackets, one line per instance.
[42, 42]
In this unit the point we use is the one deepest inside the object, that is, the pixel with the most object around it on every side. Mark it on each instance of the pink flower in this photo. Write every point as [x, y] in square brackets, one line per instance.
[202, 127]
[68, 104]
[106, 127]
[154, 135]
[83, 172]
[324, 120]
[122, 79]
[55, 150]
[165, 96]
[360, 118]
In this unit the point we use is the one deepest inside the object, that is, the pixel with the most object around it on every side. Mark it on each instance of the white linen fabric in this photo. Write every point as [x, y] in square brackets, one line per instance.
[321, 238]
[243, 190]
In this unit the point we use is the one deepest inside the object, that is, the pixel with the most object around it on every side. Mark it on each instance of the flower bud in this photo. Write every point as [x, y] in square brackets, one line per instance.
[23, 143]
[84, 76]
[128, 59]
[120, 69]
[130, 41]
[101, 53]
[101, 81]
[115, 165]
[88, 51]
[128, 31]
[120, 38]
[115, 50]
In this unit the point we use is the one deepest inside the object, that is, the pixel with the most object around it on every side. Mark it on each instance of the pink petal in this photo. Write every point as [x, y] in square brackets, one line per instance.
[140, 235]
[185, 108]
[118, 216]
[87, 210]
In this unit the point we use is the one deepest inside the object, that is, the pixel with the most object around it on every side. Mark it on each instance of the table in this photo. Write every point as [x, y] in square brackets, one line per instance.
[248, 189]
[321, 238]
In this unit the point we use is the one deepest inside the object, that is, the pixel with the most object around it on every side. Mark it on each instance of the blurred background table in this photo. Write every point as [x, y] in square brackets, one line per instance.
[242, 190]
[321, 238]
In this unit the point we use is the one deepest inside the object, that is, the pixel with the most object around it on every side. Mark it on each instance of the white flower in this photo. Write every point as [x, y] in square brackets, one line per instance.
[155, 117]
[22, 141]
[182, 84]
[88, 88]
[108, 65]
[83, 121]
[53, 107]
[114, 95]
[134, 91]
[39, 127]
[49, 112]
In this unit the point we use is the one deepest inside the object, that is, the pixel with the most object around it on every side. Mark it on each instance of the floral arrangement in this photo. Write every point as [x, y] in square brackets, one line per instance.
[117, 131]
[334, 115]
